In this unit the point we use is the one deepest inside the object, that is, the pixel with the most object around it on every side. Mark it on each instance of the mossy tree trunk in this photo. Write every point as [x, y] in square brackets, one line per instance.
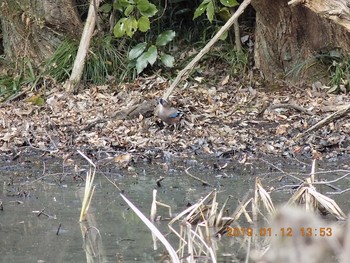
[32, 29]
[291, 34]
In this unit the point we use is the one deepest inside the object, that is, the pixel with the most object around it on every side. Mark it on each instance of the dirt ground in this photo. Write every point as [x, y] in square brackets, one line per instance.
[224, 119]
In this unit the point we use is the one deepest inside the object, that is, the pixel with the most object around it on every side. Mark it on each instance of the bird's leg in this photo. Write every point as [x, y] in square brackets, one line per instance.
[177, 126]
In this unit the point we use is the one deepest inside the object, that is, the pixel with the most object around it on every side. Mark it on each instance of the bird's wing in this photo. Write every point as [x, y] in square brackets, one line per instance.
[174, 114]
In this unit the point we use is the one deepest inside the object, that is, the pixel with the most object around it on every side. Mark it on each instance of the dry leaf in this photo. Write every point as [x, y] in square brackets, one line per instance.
[225, 80]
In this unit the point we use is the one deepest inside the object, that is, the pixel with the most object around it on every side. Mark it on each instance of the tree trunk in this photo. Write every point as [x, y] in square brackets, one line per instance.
[289, 37]
[34, 28]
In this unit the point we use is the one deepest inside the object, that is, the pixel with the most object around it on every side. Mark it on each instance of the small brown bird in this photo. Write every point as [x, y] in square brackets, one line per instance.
[167, 113]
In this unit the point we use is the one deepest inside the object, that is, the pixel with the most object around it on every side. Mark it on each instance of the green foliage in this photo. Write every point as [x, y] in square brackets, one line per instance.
[144, 24]
[340, 74]
[210, 11]
[149, 56]
[201, 9]
[61, 62]
[229, 3]
[140, 58]
[11, 84]
[329, 67]
[136, 17]
[130, 26]
[165, 37]
[103, 63]
[137, 14]
[104, 60]
[236, 60]
[137, 51]
[167, 60]
[106, 8]
[212, 6]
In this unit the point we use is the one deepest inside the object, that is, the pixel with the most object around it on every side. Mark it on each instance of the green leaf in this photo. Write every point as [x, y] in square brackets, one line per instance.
[36, 100]
[151, 54]
[120, 4]
[117, 6]
[229, 3]
[148, 57]
[119, 28]
[39, 102]
[141, 63]
[224, 13]
[167, 60]
[106, 8]
[137, 50]
[143, 5]
[132, 63]
[151, 11]
[165, 37]
[200, 9]
[130, 26]
[210, 11]
[128, 10]
[144, 23]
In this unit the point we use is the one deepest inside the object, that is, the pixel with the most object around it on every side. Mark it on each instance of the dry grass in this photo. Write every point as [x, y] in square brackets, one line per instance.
[89, 188]
[196, 226]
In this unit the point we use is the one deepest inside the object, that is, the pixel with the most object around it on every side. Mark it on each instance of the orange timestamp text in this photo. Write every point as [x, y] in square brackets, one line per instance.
[281, 232]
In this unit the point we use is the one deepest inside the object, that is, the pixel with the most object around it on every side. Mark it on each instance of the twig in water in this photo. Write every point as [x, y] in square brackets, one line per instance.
[288, 174]
[205, 183]
[338, 193]
[113, 183]
[159, 180]
[58, 229]
[87, 158]
[41, 212]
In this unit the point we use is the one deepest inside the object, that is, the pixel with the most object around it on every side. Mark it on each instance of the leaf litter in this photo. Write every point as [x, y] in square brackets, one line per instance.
[225, 118]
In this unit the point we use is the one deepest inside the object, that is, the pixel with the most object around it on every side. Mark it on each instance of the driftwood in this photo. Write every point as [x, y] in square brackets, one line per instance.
[185, 72]
[334, 116]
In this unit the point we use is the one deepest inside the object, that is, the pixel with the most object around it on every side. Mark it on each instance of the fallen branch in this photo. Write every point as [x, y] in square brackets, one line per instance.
[185, 72]
[292, 106]
[146, 109]
[79, 62]
[334, 116]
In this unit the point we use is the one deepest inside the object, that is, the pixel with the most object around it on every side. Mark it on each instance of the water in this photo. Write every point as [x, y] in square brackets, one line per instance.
[118, 234]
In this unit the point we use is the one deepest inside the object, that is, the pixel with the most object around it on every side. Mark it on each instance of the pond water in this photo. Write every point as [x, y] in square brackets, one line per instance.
[41, 202]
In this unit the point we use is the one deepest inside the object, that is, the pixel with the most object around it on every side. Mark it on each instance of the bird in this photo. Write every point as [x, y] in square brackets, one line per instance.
[167, 113]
